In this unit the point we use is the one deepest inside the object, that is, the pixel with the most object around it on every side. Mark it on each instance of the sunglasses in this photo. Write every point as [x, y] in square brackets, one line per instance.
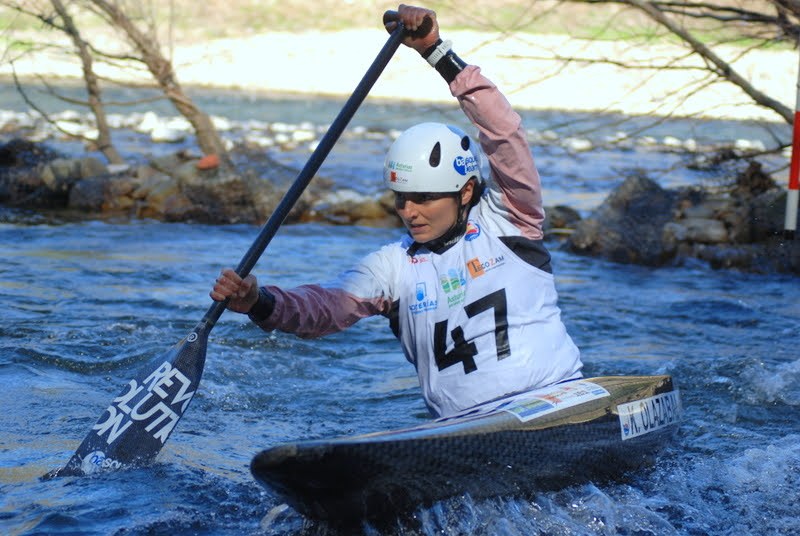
[419, 198]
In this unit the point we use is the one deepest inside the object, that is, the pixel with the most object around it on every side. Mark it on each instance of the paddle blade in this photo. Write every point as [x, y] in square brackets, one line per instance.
[137, 423]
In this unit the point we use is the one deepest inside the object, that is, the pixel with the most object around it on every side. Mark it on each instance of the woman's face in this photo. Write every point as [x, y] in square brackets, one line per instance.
[427, 216]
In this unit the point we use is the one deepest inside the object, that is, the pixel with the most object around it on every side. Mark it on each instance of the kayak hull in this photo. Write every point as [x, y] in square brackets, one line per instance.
[592, 429]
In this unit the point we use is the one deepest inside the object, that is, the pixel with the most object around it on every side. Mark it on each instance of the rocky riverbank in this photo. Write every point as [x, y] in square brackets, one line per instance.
[180, 186]
[734, 225]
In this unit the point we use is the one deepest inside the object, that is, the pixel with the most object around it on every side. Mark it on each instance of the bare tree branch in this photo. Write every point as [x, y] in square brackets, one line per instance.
[716, 64]
[136, 24]
[162, 70]
[95, 96]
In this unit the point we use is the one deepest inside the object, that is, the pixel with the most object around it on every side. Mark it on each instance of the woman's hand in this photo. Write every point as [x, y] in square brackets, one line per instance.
[422, 29]
[243, 293]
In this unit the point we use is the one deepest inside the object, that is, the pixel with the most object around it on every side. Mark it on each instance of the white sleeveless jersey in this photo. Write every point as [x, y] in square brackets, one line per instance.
[477, 321]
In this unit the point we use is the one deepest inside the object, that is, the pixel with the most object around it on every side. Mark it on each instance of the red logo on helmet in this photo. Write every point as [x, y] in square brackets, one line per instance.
[393, 176]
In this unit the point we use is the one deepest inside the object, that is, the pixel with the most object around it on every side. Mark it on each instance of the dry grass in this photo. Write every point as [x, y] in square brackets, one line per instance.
[220, 18]
[192, 21]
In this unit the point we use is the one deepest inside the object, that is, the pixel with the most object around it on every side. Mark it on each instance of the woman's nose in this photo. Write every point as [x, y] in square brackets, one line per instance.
[405, 206]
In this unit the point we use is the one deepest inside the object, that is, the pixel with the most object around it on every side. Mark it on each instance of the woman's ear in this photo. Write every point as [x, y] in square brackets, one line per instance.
[467, 191]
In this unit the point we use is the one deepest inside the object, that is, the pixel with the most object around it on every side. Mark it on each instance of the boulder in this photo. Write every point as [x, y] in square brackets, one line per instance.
[628, 226]
[738, 225]
[88, 195]
[560, 221]
[348, 207]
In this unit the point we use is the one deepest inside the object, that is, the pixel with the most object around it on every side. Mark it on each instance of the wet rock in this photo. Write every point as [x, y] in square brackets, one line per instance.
[753, 181]
[117, 196]
[179, 208]
[219, 198]
[162, 200]
[56, 173]
[740, 257]
[704, 230]
[88, 195]
[169, 163]
[19, 152]
[60, 174]
[628, 225]
[735, 227]
[767, 214]
[21, 183]
[560, 221]
[348, 207]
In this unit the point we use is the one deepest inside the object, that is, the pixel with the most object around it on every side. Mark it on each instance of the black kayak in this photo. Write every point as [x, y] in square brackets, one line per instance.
[587, 429]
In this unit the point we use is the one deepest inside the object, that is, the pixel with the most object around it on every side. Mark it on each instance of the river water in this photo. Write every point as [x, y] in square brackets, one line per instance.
[87, 304]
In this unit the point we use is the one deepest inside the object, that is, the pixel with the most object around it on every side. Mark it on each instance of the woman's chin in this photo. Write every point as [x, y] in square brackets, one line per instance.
[420, 235]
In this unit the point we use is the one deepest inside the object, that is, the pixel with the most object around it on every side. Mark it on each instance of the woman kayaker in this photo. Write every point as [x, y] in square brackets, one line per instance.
[469, 291]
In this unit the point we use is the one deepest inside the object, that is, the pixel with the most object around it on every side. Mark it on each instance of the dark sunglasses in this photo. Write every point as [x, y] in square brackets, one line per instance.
[419, 198]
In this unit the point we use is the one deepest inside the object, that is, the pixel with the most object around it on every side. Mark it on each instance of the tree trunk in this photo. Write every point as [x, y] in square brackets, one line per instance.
[161, 68]
[93, 90]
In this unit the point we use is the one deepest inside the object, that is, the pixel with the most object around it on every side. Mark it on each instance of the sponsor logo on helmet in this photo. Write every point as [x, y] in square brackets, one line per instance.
[399, 166]
[465, 165]
[473, 231]
[396, 170]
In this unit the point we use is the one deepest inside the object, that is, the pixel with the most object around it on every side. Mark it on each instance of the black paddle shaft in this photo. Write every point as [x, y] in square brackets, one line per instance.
[137, 423]
[312, 166]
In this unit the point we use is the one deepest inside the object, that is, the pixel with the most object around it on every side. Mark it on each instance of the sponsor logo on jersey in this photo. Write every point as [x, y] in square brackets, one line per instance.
[473, 231]
[418, 260]
[478, 267]
[422, 302]
[465, 165]
[454, 285]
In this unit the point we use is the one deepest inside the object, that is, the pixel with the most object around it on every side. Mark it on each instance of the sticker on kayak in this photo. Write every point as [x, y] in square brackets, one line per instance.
[555, 398]
[643, 416]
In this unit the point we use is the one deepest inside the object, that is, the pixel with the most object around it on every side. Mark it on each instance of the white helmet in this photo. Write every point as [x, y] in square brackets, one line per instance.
[431, 157]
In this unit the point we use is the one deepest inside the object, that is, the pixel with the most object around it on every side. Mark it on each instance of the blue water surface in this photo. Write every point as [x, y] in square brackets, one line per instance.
[87, 304]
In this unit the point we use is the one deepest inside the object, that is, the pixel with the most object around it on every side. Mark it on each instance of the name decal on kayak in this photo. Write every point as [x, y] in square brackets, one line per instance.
[154, 404]
[643, 416]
